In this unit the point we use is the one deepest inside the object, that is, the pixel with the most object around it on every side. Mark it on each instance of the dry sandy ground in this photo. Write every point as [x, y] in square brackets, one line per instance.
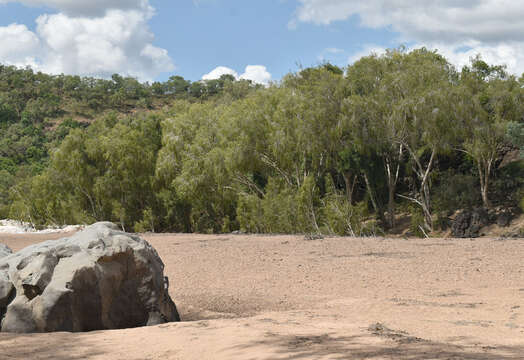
[283, 297]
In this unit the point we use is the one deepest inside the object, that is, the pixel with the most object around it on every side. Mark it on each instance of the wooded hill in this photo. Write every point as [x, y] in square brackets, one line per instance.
[327, 150]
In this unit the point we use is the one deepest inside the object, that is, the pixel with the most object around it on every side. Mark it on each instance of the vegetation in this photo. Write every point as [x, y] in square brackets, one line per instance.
[327, 150]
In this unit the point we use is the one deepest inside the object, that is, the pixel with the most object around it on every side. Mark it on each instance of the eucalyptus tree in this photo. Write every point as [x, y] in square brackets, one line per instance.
[129, 150]
[425, 117]
[192, 163]
[372, 112]
[71, 167]
[320, 93]
[494, 103]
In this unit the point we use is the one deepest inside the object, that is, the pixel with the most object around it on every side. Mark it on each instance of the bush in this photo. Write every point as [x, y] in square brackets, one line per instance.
[343, 218]
[250, 214]
[442, 222]
[147, 224]
[417, 223]
[283, 209]
[456, 191]
[507, 188]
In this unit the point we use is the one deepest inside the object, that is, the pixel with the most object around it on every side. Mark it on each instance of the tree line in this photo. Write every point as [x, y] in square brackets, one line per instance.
[327, 150]
[38, 110]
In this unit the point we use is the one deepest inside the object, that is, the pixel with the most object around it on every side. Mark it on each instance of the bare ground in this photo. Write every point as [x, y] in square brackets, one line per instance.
[283, 297]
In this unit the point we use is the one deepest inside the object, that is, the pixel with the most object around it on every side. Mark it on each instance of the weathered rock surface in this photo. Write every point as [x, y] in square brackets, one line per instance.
[100, 278]
[504, 218]
[4, 251]
[467, 224]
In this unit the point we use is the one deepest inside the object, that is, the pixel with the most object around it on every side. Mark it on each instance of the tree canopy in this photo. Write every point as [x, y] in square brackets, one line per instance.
[327, 150]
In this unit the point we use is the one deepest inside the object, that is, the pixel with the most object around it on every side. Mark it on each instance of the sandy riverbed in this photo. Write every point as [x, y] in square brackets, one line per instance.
[283, 297]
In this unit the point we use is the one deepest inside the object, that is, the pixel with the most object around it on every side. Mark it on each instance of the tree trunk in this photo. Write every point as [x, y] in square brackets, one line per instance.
[425, 194]
[426, 207]
[349, 180]
[484, 174]
[392, 177]
[391, 205]
[424, 198]
[485, 199]
[374, 202]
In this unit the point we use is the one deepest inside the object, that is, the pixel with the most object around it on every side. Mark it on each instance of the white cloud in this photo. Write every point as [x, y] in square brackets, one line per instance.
[505, 53]
[367, 50]
[218, 72]
[492, 27]
[118, 41]
[509, 54]
[19, 45]
[256, 73]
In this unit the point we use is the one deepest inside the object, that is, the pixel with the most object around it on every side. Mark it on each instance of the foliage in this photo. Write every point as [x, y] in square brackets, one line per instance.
[516, 135]
[327, 150]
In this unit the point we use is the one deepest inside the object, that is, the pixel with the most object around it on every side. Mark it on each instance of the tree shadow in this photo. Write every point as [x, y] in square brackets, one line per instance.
[379, 343]
[51, 346]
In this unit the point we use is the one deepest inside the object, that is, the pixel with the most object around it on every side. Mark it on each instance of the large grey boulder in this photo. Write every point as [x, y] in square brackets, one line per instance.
[4, 251]
[100, 278]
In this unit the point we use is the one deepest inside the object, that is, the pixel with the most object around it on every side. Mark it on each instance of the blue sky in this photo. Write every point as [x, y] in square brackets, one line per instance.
[153, 39]
[237, 33]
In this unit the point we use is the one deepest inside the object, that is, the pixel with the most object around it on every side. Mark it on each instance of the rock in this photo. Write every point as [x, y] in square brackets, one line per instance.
[510, 156]
[468, 223]
[516, 233]
[4, 251]
[504, 218]
[100, 278]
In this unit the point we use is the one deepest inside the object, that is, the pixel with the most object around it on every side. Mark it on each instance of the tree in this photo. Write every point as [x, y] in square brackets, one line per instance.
[177, 86]
[492, 103]
[425, 116]
[373, 111]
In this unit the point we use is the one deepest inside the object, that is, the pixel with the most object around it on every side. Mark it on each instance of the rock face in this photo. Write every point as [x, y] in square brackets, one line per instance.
[4, 251]
[468, 223]
[504, 218]
[100, 278]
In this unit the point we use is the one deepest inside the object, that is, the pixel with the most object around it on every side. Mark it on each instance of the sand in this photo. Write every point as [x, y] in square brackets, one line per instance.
[284, 297]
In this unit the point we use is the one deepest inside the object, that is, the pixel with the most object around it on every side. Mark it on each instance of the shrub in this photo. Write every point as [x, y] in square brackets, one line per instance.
[283, 209]
[417, 223]
[456, 191]
[343, 218]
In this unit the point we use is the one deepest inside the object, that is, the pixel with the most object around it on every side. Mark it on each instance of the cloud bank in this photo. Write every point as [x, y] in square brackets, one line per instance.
[93, 37]
[459, 29]
[256, 73]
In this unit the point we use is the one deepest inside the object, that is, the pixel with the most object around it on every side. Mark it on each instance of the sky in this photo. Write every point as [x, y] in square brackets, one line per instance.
[260, 40]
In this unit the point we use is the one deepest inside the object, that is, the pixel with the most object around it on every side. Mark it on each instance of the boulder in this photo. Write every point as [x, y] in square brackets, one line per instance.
[467, 223]
[504, 218]
[100, 278]
[4, 251]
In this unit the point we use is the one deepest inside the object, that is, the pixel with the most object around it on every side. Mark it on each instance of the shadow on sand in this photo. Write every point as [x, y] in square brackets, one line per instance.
[381, 343]
[53, 346]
